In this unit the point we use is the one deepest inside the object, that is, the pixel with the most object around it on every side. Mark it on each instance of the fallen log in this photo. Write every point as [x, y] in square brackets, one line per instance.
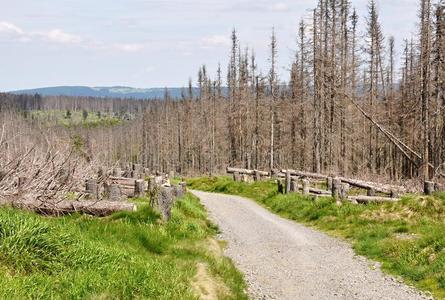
[95, 208]
[246, 171]
[380, 188]
[123, 181]
[368, 199]
[319, 192]
[305, 174]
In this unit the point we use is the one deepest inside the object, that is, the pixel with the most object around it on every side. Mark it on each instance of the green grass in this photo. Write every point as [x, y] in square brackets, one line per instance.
[406, 237]
[72, 119]
[125, 256]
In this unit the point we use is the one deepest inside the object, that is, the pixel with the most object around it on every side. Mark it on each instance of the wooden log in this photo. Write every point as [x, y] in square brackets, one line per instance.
[319, 192]
[306, 187]
[245, 171]
[371, 192]
[103, 208]
[95, 208]
[366, 199]
[306, 174]
[288, 182]
[381, 188]
[124, 182]
[428, 188]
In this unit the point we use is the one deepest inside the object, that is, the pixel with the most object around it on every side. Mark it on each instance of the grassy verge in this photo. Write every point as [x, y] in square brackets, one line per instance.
[125, 256]
[406, 237]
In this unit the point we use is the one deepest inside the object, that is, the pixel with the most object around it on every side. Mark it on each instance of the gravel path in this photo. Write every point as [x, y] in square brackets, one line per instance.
[282, 259]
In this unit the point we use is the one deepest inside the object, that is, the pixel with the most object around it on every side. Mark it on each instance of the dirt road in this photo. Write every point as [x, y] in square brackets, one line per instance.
[285, 260]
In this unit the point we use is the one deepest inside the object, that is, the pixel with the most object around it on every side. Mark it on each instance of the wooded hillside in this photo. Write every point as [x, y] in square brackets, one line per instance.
[353, 104]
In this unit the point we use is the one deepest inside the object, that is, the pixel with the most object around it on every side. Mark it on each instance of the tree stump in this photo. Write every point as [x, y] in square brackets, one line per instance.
[179, 191]
[280, 186]
[256, 175]
[165, 202]
[288, 181]
[306, 186]
[139, 188]
[114, 192]
[117, 172]
[294, 185]
[371, 192]
[236, 176]
[428, 188]
[344, 192]
[329, 182]
[246, 178]
[153, 189]
[394, 194]
[92, 188]
[336, 189]
[274, 173]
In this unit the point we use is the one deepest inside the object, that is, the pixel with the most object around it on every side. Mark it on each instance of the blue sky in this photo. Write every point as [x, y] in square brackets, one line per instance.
[151, 43]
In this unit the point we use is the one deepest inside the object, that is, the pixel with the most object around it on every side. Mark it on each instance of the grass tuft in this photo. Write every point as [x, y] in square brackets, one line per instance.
[125, 256]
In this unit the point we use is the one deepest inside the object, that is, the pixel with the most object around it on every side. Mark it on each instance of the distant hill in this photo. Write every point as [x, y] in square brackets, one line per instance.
[105, 92]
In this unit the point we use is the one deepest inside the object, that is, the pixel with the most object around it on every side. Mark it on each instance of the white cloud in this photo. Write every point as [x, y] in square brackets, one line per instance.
[279, 7]
[59, 36]
[6, 27]
[215, 41]
[129, 47]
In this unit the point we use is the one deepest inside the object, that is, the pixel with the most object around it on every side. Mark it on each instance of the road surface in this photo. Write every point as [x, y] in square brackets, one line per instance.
[282, 259]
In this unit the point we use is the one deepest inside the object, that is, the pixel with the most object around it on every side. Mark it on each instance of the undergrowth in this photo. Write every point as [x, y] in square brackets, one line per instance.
[406, 237]
[125, 256]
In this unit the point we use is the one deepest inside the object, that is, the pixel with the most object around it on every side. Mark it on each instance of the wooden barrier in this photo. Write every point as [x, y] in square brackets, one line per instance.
[338, 187]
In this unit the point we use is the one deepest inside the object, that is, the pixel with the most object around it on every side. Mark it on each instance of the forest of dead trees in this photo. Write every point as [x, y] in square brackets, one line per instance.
[353, 104]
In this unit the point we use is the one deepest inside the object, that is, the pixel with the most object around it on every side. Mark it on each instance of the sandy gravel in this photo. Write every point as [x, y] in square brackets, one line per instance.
[282, 259]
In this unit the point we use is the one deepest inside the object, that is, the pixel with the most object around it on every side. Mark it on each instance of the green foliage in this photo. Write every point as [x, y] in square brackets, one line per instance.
[406, 237]
[125, 256]
[74, 119]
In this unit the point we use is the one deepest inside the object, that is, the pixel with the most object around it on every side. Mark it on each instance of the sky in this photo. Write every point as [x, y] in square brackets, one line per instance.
[153, 43]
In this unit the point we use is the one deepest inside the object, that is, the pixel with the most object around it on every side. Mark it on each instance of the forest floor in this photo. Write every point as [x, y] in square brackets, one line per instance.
[282, 258]
[124, 256]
